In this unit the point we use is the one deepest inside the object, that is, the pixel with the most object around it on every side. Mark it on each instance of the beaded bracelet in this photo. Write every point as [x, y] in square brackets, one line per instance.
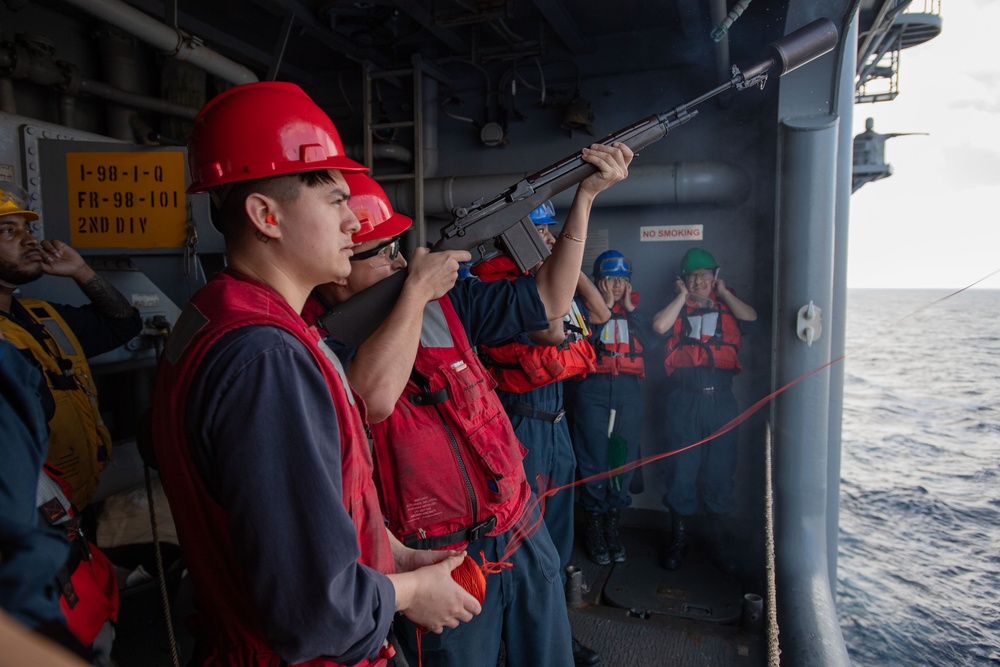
[567, 235]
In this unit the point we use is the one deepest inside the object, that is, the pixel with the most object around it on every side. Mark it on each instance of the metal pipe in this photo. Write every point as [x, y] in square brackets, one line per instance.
[46, 72]
[429, 125]
[807, 613]
[717, 13]
[144, 102]
[574, 586]
[838, 335]
[67, 110]
[380, 151]
[679, 183]
[121, 71]
[752, 618]
[7, 103]
[175, 43]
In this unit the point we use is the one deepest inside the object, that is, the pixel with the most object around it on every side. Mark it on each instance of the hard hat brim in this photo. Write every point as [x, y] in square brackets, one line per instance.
[394, 226]
[29, 216]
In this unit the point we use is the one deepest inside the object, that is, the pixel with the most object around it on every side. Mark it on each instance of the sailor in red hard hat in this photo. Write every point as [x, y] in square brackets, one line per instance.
[448, 465]
[258, 437]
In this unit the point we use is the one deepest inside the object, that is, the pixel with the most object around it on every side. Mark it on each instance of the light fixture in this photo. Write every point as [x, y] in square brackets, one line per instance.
[578, 115]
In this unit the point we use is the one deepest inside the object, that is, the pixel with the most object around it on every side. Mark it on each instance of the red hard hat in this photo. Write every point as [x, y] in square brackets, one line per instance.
[262, 129]
[371, 205]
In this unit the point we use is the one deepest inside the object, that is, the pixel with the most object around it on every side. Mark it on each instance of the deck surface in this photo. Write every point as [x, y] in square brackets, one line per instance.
[635, 614]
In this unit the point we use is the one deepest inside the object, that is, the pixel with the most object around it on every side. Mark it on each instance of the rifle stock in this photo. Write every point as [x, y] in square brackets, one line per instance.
[485, 220]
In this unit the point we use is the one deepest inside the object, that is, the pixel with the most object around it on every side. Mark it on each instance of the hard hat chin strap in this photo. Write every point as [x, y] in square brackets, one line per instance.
[219, 194]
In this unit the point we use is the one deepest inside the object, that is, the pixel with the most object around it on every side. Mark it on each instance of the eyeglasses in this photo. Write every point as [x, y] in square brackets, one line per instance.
[707, 276]
[388, 249]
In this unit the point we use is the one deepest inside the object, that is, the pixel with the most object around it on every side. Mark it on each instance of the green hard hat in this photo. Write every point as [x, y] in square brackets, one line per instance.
[695, 259]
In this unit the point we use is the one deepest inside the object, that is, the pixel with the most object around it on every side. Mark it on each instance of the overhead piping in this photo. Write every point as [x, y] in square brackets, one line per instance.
[144, 102]
[717, 13]
[679, 183]
[173, 42]
[17, 64]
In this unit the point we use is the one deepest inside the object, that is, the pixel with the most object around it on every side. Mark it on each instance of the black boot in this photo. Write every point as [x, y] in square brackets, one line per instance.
[583, 656]
[597, 548]
[675, 553]
[611, 534]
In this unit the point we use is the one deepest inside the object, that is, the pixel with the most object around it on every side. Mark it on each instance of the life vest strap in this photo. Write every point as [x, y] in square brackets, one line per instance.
[430, 398]
[61, 381]
[426, 397]
[525, 410]
[469, 534]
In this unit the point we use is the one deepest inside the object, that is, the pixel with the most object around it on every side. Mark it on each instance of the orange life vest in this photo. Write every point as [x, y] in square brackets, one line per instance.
[521, 367]
[704, 337]
[618, 349]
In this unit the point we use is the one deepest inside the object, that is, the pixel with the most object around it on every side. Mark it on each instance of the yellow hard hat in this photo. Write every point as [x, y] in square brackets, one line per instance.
[14, 200]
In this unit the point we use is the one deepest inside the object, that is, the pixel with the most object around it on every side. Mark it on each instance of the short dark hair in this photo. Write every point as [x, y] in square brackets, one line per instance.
[230, 215]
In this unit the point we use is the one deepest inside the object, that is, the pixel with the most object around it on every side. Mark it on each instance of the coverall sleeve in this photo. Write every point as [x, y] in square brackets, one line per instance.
[32, 555]
[497, 311]
[99, 334]
[268, 443]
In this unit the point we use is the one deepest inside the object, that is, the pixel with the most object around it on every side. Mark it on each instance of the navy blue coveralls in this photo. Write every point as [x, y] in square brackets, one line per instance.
[593, 398]
[545, 434]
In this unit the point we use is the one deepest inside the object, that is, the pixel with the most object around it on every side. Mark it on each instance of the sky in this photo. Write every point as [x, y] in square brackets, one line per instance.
[936, 221]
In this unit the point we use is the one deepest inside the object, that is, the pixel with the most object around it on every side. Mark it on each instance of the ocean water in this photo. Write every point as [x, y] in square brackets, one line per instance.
[919, 563]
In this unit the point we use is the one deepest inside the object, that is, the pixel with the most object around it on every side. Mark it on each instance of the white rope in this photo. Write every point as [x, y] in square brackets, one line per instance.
[161, 575]
[773, 649]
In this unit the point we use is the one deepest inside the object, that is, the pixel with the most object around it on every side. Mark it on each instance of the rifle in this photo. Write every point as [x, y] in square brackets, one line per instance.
[503, 219]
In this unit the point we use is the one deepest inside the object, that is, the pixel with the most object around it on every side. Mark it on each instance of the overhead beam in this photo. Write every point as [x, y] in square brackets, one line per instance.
[415, 11]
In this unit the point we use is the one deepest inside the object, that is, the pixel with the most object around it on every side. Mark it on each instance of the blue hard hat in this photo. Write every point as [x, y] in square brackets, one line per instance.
[612, 263]
[544, 214]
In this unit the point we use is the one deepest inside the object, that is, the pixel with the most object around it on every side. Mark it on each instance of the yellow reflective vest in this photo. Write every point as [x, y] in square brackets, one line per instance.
[79, 442]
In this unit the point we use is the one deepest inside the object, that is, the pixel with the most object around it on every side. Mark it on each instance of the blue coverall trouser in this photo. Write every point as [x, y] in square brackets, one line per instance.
[704, 472]
[549, 463]
[595, 396]
[525, 606]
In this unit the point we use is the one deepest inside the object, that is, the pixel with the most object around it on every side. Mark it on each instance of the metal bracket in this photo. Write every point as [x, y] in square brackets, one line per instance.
[809, 325]
[30, 135]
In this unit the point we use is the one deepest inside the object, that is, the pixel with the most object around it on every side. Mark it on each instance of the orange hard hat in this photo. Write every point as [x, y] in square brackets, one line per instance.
[262, 129]
[371, 205]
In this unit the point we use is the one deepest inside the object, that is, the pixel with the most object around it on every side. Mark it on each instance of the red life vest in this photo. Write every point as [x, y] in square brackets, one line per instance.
[231, 631]
[447, 459]
[717, 346]
[619, 351]
[88, 592]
